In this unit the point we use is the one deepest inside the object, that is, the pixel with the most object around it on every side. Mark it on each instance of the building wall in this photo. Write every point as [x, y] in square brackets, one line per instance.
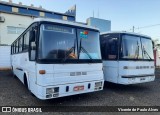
[20, 9]
[103, 25]
[5, 62]
[12, 20]
[19, 17]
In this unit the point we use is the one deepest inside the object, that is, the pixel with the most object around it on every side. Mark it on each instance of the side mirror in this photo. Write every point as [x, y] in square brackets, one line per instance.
[32, 52]
[32, 36]
[33, 46]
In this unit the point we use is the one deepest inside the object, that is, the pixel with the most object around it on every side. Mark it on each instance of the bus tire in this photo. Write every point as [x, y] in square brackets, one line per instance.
[14, 76]
[26, 85]
[26, 81]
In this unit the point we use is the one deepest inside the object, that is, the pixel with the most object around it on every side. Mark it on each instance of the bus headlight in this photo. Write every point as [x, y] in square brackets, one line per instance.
[98, 86]
[52, 90]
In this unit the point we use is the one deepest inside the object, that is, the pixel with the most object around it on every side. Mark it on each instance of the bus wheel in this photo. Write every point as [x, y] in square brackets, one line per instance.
[13, 72]
[25, 81]
[26, 85]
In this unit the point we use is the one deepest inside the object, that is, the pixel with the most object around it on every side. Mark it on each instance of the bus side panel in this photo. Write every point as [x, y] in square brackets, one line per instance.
[110, 69]
[17, 64]
[22, 65]
[30, 71]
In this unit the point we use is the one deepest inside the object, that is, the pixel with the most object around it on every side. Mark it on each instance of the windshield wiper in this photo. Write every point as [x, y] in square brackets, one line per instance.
[137, 50]
[145, 52]
[84, 50]
[69, 52]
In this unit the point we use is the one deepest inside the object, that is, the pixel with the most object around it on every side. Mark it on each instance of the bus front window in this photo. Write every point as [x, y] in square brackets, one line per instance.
[147, 48]
[63, 43]
[89, 46]
[131, 47]
[57, 42]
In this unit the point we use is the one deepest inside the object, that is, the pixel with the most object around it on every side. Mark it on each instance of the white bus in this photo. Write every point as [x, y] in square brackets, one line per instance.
[56, 58]
[127, 57]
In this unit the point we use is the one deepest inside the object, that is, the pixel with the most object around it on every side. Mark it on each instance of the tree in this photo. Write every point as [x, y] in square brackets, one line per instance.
[156, 44]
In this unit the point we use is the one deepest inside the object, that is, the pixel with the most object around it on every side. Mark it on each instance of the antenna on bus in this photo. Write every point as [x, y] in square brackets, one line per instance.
[133, 28]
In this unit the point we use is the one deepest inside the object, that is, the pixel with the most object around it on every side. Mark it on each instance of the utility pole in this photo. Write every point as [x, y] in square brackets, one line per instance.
[98, 12]
[93, 13]
[133, 28]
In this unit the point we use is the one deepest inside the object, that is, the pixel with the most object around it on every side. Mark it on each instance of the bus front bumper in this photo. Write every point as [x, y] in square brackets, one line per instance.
[49, 92]
[134, 80]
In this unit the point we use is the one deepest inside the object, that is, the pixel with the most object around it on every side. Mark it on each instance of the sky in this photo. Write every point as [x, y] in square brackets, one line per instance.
[123, 14]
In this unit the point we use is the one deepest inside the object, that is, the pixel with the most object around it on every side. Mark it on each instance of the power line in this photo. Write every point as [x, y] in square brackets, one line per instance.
[148, 26]
[144, 27]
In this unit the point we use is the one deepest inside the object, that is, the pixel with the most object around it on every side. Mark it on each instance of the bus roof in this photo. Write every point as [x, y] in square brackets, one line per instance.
[124, 32]
[64, 22]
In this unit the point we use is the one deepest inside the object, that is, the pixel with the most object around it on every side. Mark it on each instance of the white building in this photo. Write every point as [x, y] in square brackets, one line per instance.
[15, 18]
[12, 27]
[102, 24]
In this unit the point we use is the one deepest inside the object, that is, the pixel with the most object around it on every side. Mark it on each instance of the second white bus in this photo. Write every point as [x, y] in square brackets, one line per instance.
[127, 57]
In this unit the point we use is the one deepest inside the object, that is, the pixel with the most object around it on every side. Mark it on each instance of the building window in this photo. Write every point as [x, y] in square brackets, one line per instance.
[11, 30]
[15, 30]
[42, 14]
[14, 9]
[20, 30]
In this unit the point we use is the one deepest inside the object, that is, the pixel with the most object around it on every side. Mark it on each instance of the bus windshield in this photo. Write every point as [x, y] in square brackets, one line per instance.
[135, 47]
[147, 48]
[89, 46]
[60, 42]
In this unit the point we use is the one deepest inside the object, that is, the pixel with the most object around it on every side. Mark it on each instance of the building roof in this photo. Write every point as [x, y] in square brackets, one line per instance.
[21, 5]
[31, 7]
[95, 18]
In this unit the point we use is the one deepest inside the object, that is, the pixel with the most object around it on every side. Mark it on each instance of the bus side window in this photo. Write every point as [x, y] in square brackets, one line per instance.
[103, 47]
[109, 47]
[33, 51]
[32, 43]
[12, 49]
[112, 48]
[26, 41]
[16, 47]
[20, 44]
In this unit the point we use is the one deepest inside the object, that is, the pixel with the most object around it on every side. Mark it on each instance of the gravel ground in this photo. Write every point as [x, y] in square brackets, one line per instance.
[13, 93]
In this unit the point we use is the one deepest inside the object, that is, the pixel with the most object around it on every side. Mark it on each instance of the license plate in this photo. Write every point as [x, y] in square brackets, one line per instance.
[78, 88]
[142, 79]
